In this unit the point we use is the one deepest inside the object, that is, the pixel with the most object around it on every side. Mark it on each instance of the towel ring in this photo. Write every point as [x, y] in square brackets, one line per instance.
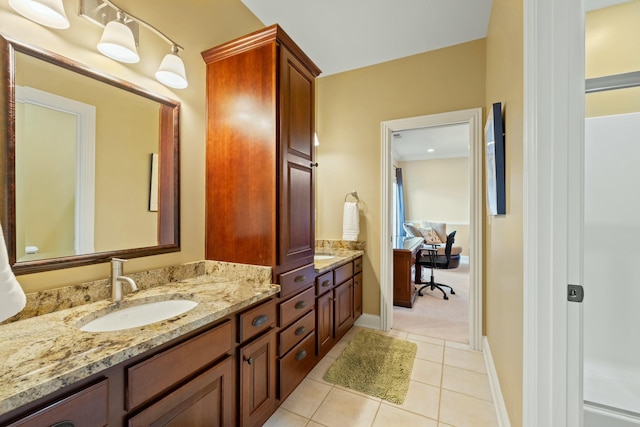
[353, 194]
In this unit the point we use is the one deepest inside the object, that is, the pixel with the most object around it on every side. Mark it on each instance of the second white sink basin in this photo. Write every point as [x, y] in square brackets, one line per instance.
[138, 315]
[322, 257]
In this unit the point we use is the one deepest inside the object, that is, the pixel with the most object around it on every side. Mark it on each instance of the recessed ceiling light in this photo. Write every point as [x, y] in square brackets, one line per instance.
[430, 150]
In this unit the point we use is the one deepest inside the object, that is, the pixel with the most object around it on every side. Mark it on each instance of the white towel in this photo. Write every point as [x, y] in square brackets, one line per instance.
[350, 221]
[12, 297]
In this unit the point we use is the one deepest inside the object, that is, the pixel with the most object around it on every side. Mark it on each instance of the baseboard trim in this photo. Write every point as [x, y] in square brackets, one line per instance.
[494, 384]
[369, 321]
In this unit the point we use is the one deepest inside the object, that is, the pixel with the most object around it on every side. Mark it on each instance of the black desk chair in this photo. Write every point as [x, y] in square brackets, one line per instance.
[432, 260]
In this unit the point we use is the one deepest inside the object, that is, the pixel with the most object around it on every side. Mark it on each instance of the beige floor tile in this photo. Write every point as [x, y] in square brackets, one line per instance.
[359, 393]
[391, 416]
[427, 372]
[465, 359]
[428, 351]
[306, 398]
[397, 334]
[314, 424]
[337, 349]
[466, 382]
[421, 399]
[442, 425]
[342, 408]
[283, 418]
[321, 368]
[457, 345]
[465, 411]
[422, 338]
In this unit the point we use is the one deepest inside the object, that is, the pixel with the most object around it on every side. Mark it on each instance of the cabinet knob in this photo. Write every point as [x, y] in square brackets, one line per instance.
[300, 305]
[301, 330]
[250, 360]
[301, 354]
[326, 283]
[314, 165]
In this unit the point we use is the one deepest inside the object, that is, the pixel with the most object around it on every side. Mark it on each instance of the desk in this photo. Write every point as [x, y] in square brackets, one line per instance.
[404, 257]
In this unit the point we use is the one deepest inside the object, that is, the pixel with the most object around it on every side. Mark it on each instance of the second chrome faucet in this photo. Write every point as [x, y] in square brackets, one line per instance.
[117, 278]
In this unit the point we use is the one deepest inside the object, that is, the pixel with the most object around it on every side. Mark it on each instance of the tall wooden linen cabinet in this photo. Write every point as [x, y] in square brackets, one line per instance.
[260, 153]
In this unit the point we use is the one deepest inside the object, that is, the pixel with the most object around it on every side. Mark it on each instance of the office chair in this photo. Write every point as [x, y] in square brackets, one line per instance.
[432, 260]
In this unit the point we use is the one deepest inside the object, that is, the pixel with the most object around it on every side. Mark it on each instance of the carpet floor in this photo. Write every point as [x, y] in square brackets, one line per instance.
[434, 316]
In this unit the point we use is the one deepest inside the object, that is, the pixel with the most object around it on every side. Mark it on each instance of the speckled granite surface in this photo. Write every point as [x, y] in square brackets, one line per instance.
[342, 252]
[41, 354]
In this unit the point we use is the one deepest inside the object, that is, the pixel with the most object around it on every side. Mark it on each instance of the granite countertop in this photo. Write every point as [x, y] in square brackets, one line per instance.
[340, 257]
[42, 354]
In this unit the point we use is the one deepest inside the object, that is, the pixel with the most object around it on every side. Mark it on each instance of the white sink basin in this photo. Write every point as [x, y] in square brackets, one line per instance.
[138, 315]
[322, 257]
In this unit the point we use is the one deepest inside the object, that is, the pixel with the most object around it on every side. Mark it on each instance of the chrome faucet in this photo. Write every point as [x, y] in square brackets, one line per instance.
[117, 278]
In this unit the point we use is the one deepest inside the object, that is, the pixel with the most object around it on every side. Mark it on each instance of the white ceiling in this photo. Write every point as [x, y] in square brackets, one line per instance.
[445, 141]
[343, 35]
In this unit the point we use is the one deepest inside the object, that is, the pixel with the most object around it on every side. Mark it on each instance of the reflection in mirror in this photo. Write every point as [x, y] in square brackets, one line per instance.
[80, 149]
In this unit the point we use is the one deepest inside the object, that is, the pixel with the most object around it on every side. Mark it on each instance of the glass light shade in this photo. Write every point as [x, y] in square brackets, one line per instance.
[49, 13]
[117, 43]
[171, 72]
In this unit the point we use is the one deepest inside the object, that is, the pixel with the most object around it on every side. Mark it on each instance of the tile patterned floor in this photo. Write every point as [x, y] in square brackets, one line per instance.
[449, 388]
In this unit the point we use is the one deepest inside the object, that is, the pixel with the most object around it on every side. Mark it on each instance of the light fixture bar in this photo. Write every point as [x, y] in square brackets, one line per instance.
[100, 13]
[144, 23]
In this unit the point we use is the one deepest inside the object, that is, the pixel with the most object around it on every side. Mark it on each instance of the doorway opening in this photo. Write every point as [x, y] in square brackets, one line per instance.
[473, 118]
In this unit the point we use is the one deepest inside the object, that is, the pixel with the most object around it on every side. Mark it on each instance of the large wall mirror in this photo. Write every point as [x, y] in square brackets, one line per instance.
[91, 167]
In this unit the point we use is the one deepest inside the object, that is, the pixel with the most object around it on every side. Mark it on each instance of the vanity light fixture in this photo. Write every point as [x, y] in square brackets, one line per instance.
[117, 41]
[49, 13]
[120, 39]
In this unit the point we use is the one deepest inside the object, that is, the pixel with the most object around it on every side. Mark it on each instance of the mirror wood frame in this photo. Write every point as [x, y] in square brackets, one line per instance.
[169, 170]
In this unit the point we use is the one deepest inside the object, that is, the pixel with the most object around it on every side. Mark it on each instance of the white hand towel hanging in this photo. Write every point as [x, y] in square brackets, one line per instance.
[12, 297]
[350, 221]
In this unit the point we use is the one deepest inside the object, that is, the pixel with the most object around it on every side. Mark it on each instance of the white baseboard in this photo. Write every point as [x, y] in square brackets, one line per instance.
[494, 384]
[369, 321]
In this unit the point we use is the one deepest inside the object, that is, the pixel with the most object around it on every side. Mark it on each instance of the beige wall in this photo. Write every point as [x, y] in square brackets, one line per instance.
[612, 49]
[504, 234]
[438, 191]
[195, 24]
[350, 108]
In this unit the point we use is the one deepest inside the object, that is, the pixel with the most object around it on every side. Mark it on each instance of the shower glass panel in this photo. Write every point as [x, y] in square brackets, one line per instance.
[612, 257]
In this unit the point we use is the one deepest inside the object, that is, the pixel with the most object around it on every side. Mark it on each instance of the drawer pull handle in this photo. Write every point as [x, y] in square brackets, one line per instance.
[326, 283]
[301, 354]
[64, 424]
[301, 330]
[301, 304]
[300, 278]
[250, 361]
[260, 320]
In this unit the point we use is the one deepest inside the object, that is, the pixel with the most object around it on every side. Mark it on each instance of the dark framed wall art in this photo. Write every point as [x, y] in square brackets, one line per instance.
[495, 161]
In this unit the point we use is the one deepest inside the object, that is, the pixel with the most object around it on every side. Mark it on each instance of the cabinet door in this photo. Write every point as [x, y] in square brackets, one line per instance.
[343, 295]
[357, 296]
[297, 240]
[324, 323]
[258, 380]
[207, 400]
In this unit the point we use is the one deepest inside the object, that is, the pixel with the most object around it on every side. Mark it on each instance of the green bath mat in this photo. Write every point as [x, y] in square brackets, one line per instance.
[375, 364]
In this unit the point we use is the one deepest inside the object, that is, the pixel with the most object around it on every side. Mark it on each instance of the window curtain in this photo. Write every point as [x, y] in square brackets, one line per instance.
[399, 204]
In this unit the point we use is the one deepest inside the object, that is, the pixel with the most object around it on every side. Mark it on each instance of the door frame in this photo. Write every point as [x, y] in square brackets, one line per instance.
[553, 192]
[473, 117]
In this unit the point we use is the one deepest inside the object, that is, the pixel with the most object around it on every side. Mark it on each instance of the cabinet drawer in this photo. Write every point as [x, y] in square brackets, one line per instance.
[357, 265]
[164, 370]
[256, 320]
[296, 332]
[342, 273]
[324, 283]
[202, 401]
[297, 280]
[296, 306]
[88, 407]
[296, 365]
